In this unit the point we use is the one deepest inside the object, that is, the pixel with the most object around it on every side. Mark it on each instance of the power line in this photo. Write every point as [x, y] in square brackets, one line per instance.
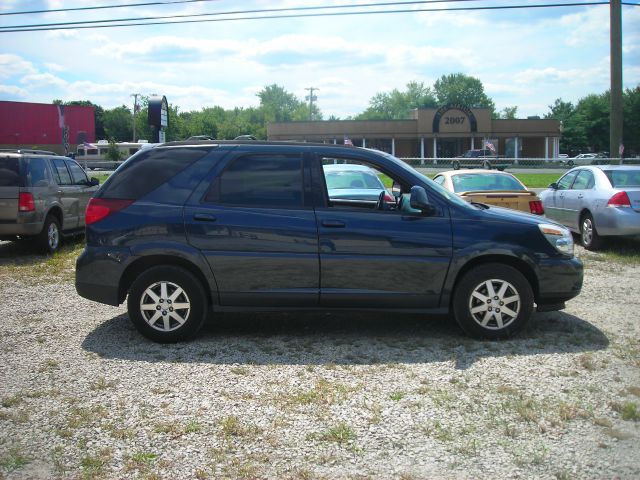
[237, 12]
[19, 28]
[100, 7]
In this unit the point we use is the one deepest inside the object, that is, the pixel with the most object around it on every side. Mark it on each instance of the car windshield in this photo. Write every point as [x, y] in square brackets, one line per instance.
[452, 197]
[623, 178]
[352, 179]
[469, 182]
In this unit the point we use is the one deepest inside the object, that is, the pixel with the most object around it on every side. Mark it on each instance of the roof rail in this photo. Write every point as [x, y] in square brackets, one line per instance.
[28, 150]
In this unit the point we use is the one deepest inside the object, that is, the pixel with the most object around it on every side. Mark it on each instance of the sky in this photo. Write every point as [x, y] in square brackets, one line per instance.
[524, 57]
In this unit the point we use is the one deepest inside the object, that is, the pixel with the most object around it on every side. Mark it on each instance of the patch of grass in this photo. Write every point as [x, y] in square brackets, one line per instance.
[537, 180]
[144, 458]
[324, 393]
[340, 433]
[49, 366]
[602, 422]
[102, 384]
[13, 460]
[33, 268]
[8, 402]
[192, 427]
[397, 396]
[94, 465]
[587, 362]
[634, 391]
[627, 410]
[240, 370]
[233, 427]
[84, 416]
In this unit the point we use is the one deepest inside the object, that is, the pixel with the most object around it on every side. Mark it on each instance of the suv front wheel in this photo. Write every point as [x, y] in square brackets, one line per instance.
[492, 301]
[167, 304]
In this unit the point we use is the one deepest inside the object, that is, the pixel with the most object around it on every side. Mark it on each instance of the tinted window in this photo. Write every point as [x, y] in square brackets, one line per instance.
[565, 182]
[149, 169]
[439, 180]
[61, 171]
[37, 173]
[352, 179]
[624, 178]
[583, 181]
[78, 175]
[269, 180]
[9, 172]
[468, 182]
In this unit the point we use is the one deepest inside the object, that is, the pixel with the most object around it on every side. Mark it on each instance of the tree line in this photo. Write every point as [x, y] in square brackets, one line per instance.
[585, 125]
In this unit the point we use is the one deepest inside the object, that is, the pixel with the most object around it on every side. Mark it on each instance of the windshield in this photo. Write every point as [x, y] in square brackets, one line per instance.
[452, 197]
[623, 178]
[470, 182]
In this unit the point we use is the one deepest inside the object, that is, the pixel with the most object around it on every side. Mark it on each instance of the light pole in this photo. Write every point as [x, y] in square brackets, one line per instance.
[135, 110]
[615, 126]
[312, 98]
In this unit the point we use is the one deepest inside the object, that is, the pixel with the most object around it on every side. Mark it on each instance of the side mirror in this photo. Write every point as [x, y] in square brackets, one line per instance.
[93, 182]
[420, 201]
[396, 189]
[553, 186]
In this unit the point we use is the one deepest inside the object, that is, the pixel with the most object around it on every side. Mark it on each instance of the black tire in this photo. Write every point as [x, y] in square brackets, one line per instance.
[48, 240]
[180, 287]
[589, 236]
[571, 163]
[502, 313]
[456, 165]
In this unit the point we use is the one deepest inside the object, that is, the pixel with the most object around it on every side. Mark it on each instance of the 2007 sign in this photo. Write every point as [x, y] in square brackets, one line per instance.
[454, 120]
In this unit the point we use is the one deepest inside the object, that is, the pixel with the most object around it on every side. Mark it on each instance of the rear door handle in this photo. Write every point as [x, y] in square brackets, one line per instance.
[333, 224]
[204, 217]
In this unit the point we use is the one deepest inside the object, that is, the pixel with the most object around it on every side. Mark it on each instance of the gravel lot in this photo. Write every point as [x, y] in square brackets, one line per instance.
[306, 396]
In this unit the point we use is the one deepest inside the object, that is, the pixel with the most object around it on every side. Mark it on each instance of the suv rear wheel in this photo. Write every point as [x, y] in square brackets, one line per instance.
[167, 304]
[492, 301]
[48, 240]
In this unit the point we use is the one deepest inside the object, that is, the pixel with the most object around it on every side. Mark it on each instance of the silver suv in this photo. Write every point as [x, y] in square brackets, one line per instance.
[42, 197]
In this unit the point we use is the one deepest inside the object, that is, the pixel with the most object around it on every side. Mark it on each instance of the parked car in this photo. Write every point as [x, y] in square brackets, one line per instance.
[43, 196]
[585, 159]
[188, 228]
[494, 188]
[479, 158]
[596, 202]
[354, 182]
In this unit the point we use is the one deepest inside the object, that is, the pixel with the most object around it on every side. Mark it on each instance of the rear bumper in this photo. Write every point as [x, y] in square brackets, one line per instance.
[559, 280]
[8, 228]
[98, 274]
[622, 221]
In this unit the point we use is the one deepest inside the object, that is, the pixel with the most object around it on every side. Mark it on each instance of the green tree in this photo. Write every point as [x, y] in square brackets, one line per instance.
[593, 112]
[98, 112]
[574, 137]
[463, 89]
[278, 105]
[508, 113]
[113, 153]
[397, 105]
[118, 123]
[631, 125]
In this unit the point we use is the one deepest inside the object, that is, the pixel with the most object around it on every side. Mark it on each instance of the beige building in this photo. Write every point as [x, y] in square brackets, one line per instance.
[433, 133]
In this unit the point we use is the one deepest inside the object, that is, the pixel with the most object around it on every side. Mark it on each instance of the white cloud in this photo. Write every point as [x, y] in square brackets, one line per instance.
[13, 91]
[14, 65]
[43, 80]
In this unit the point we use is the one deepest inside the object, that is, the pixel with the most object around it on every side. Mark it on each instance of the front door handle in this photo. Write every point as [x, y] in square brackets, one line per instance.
[333, 224]
[204, 217]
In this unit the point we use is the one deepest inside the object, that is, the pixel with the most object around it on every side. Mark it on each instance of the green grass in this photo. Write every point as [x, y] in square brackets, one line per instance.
[531, 180]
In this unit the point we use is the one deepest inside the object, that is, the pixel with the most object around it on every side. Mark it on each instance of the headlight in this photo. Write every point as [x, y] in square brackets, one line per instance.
[559, 237]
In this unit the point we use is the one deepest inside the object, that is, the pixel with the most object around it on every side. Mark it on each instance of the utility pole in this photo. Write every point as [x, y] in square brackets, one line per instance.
[615, 125]
[135, 110]
[312, 98]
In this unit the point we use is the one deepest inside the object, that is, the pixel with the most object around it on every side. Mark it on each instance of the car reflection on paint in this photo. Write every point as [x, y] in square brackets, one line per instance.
[354, 182]
[491, 187]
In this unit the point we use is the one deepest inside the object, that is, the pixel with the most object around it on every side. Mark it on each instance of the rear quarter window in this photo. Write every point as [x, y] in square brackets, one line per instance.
[9, 172]
[149, 169]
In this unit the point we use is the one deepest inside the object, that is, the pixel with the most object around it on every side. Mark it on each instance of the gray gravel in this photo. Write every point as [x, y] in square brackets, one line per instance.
[318, 396]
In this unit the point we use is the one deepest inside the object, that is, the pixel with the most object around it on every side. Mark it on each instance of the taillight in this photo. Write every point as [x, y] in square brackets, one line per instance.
[99, 208]
[26, 203]
[388, 198]
[620, 199]
[535, 206]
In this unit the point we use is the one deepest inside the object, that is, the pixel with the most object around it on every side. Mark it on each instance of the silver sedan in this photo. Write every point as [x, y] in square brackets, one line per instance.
[596, 202]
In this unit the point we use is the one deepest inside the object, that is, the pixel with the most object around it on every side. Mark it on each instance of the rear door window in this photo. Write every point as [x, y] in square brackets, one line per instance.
[61, 172]
[260, 180]
[584, 181]
[9, 172]
[38, 173]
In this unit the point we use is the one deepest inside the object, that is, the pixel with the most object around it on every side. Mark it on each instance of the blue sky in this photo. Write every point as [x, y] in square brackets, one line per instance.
[525, 58]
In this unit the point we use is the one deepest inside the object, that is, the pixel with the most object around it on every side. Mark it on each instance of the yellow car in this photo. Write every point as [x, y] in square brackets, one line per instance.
[491, 187]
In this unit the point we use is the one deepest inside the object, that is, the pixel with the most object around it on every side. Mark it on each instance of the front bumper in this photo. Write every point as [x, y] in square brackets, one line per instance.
[559, 280]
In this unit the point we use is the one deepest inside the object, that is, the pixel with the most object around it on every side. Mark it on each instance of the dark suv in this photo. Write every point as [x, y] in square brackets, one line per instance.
[189, 228]
[42, 196]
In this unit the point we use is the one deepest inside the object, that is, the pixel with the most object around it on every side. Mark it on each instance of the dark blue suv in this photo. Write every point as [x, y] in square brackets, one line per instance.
[189, 228]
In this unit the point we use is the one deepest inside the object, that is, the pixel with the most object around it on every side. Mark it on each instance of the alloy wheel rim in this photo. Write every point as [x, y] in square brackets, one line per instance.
[53, 236]
[494, 304]
[587, 231]
[165, 306]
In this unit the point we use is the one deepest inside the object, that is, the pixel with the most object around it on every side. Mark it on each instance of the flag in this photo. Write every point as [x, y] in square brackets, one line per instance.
[490, 146]
[61, 116]
[88, 145]
[347, 141]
